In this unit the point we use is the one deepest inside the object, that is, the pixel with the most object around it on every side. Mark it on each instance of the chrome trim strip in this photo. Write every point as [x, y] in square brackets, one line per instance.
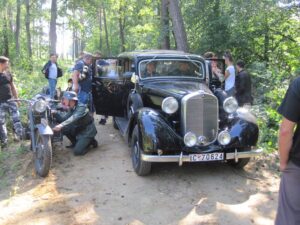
[186, 158]
[248, 154]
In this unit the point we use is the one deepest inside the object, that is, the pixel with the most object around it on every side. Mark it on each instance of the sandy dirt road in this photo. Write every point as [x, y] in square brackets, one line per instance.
[101, 188]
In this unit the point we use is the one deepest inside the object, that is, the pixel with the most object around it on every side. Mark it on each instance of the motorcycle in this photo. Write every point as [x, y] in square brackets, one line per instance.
[39, 132]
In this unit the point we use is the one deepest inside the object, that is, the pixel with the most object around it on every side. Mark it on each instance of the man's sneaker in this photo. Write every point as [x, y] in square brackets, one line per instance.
[102, 121]
[71, 145]
[94, 143]
[16, 137]
[4, 144]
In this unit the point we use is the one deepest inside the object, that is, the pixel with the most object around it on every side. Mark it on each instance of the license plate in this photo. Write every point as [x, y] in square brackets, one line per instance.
[207, 157]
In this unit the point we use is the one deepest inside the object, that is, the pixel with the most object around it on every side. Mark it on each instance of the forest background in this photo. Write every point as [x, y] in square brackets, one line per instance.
[264, 33]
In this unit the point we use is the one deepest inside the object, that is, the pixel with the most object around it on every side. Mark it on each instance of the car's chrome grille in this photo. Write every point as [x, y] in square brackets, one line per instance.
[200, 116]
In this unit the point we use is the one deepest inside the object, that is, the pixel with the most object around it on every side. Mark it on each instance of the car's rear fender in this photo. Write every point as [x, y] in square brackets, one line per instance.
[155, 132]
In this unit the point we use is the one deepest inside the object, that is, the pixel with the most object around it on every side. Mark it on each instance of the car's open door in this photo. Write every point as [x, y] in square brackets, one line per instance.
[216, 72]
[108, 87]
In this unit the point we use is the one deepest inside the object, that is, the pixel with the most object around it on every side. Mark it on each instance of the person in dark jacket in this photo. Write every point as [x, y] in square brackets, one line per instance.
[78, 125]
[243, 85]
[52, 72]
[82, 81]
[288, 212]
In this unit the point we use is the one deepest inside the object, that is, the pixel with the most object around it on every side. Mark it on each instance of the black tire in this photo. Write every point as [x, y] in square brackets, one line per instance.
[140, 167]
[43, 155]
[240, 164]
[115, 125]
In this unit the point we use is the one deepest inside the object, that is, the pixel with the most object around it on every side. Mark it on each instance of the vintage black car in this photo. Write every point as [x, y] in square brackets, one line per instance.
[170, 108]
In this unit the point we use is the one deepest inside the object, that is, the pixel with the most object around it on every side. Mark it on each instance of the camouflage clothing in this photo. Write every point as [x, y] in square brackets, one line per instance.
[12, 108]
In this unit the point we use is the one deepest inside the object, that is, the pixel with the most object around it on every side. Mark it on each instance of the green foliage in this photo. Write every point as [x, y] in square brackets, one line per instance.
[260, 32]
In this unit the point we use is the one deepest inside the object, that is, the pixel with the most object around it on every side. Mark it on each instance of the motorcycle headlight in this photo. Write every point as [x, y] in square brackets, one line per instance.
[224, 137]
[40, 106]
[190, 139]
[230, 105]
[169, 105]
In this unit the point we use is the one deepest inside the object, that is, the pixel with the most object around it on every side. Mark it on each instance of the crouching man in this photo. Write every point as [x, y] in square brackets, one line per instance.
[77, 125]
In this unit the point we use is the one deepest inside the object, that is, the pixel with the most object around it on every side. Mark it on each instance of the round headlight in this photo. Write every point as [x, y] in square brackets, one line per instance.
[224, 138]
[230, 105]
[169, 105]
[190, 139]
[40, 106]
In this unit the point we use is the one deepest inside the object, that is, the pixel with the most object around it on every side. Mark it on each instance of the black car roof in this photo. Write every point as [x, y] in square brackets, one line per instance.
[152, 53]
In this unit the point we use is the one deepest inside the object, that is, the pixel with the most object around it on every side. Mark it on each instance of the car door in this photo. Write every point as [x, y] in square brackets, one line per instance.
[110, 87]
[215, 76]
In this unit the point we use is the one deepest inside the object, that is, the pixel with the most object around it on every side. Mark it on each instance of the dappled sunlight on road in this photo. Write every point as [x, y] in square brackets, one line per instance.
[102, 188]
[43, 204]
[247, 212]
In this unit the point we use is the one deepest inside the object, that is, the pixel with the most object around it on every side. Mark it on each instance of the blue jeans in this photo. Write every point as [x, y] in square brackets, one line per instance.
[52, 87]
[87, 99]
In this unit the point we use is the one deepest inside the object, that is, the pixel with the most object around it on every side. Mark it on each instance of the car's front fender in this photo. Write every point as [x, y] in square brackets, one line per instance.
[155, 132]
[243, 133]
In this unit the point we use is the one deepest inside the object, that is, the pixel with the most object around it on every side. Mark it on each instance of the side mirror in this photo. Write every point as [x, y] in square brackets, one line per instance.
[134, 78]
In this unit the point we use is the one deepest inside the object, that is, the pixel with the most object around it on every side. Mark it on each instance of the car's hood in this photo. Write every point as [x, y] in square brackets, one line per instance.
[174, 88]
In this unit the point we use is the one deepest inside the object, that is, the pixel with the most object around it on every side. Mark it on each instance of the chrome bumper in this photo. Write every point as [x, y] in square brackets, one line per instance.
[186, 158]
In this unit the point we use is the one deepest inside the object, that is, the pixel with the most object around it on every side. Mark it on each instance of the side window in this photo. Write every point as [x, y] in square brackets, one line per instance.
[127, 68]
[107, 68]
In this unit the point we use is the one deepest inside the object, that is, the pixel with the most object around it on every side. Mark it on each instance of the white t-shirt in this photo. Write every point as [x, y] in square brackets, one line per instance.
[53, 71]
[230, 80]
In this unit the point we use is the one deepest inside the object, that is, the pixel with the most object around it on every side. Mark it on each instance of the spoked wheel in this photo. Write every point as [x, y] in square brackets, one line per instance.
[141, 167]
[43, 154]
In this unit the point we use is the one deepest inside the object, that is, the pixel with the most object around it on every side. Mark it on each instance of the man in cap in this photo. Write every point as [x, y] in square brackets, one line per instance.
[78, 125]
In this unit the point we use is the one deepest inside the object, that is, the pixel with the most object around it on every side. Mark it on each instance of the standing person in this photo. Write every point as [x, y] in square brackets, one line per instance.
[70, 85]
[81, 54]
[242, 85]
[78, 125]
[82, 81]
[289, 153]
[229, 74]
[216, 72]
[7, 92]
[52, 72]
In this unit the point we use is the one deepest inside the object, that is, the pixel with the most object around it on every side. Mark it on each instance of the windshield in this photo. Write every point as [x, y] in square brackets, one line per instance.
[171, 68]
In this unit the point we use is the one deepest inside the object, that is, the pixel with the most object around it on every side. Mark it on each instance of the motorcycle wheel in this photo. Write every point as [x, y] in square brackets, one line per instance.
[43, 155]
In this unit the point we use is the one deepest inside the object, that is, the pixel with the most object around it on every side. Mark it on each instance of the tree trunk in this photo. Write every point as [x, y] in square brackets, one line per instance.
[100, 28]
[28, 34]
[5, 50]
[52, 33]
[106, 33]
[76, 43]
[17, 33]
[10, 17]
[122, 26]
[266, 42]
[165, 25]
[178, 25]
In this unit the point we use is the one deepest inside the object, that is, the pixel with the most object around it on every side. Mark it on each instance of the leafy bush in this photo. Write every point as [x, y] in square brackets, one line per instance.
[269, 89]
